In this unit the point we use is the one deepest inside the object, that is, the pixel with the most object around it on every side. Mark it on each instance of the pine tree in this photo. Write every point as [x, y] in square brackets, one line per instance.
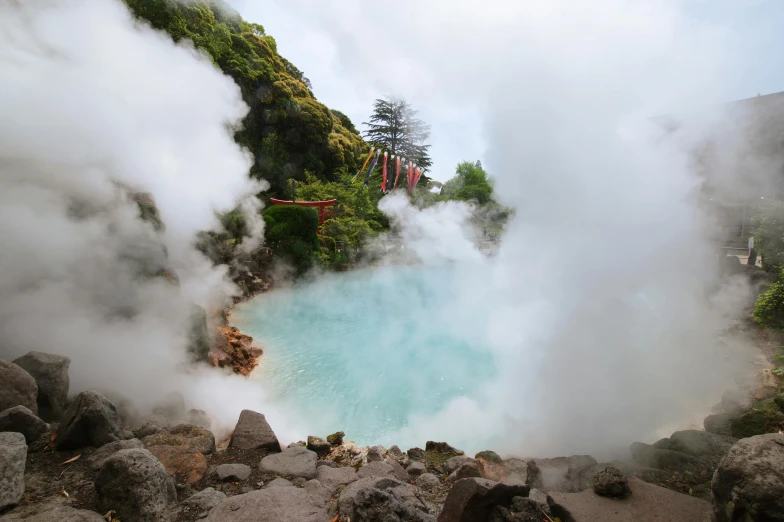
[395, 128]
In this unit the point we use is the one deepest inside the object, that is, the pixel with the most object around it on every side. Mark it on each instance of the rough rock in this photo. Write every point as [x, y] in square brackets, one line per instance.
[437, 453]
[234, 349]
[647, 503]
[253, 432]
[128, 434]
[404, 492]
[318, 490]
[451, 465]
[90, 420]
[611, 483]
[21, 420]
[58, 514]
[654, 457]
[193, 437]
[427, 482]
[232, 472]
[96, 460]
[561, 473]
[202, 502]
[415, 469]
[135, 484]
[629, 469]
[375, 454]
[13, 455]
[521, 510]
[766, 385]
[749, 482]
[699, 443]
[285, 504]
[333, 478]
[320, 446]
[375, 505]
[336, 439]
[51, 375]
[764, 417]
[539, 496]
[395, 452]
[719, 423]
[469, 468]
[300, 443]
[329, 463]
[400, 473]
[417, 454]
[17, 387]
[376, 469]
[278, 483]
[293, 462]
[186, 464]
[472, 499]
[489, 456]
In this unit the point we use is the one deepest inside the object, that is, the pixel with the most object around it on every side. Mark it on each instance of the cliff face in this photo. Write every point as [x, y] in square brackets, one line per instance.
[287, 130]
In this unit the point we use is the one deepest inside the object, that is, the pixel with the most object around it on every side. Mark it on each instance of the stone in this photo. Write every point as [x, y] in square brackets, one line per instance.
[21, 420]
[202, 502]
[198, 418]
[749, 482]
[539, 496]
[404, 492]
[763, 417]
[279, 504]
[317, 489]
[766, 385]
[59, 514]
[193, 437]
[329, 463]
[320, 446]
[278, 483]
[376, 469]
[611, 483]
[698, 443]
[51, 375]
[375, 454]
[472, 499]
[253, 432]
[186, 464]
[17, 387]
[719, 423]
[417, 454]
[293, 462]
[375, 505]
[96, 460]
[427, 482]
[489, 456]
[128, 434]
[90, 420]
[437, 453]
[13, 456]
[521, 510]
[451, 465]
[394, 451]
[300, 443]
[653, 457]
[336, 439]
[415, 469]
[561, 473]
[135, 484]
[647, 503]
[468, 468]
[334, 478]
[232, 472]
[400, 473]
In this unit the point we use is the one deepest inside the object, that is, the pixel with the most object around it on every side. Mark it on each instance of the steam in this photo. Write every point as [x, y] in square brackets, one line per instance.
[96, 105]
[601, 320]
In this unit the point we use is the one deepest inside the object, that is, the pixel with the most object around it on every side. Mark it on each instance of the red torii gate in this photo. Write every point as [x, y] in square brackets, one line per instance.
[321, 205]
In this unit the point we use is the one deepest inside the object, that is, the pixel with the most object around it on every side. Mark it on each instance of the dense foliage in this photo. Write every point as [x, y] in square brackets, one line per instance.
[291, 232]
[287, 129]
[395, 128]
[769, 234]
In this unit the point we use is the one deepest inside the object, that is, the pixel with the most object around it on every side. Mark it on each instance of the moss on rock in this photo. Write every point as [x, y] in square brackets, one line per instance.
[764, 417]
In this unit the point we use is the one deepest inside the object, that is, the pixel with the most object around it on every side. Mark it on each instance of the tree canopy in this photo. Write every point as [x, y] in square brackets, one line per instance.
[394, 127]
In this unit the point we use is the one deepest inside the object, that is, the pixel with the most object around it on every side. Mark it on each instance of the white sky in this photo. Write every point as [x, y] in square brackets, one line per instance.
[355, 51]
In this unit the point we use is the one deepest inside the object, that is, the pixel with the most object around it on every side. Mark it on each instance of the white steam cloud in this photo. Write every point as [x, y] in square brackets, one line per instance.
[93, 102]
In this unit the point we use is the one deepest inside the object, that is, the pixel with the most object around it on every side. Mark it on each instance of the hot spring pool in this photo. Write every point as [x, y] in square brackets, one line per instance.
[363, 351]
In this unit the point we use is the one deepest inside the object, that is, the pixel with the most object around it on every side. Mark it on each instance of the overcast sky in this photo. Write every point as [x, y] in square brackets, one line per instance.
[355, 51]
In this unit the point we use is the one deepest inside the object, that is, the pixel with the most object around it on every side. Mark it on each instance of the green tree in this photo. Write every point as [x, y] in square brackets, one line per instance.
[291, 232]
[768, 232]
[394, 127]
[470, 183]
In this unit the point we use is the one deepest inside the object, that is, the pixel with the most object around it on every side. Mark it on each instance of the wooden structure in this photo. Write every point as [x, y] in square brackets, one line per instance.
[321, 205]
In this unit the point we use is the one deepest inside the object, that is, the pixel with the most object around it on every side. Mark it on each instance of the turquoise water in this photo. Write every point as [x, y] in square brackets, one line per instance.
[362, 351]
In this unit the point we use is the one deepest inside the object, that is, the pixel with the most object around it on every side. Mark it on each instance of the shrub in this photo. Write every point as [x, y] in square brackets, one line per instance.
[769, 308]
[291, 232]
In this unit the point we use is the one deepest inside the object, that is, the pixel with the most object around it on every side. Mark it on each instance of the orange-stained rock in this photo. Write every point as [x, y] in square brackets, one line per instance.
[234, 349]
[188, 465]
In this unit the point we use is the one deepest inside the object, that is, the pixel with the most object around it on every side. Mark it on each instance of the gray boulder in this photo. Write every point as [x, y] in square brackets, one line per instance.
[698, 443]
[51, 375]
[415, 469]
[59, 514]
[293, 462]
[135, 484]
[611, 483]
[406, 493]
[400, 473]
[469, 468]
[320, 446]
[375, 454]
[375, 505]
[719, 423]
[278, 483]
[333, 478]
[96, 460]
[427, 482]
[22, 420]
[472, 499]
[17, 387]
[561, 473]
[193, 437]
[749, 482]
[90, 420]
[286, 504]
[202, 502]
[317, 489]
[253, 432]
[328, 463]
[232, 472]
[451, 465]
[13, 455]
[376, 469]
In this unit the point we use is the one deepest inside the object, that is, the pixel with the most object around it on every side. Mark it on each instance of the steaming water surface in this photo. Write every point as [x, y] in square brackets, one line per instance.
[362, 351]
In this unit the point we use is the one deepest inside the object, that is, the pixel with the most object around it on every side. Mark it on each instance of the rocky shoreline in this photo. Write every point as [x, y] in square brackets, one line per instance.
[85, 458]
